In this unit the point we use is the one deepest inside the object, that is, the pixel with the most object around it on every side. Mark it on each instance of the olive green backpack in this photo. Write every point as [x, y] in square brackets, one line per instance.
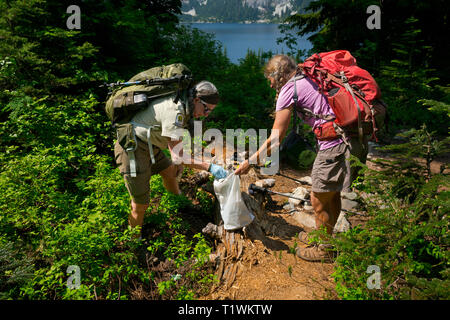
[128, 98]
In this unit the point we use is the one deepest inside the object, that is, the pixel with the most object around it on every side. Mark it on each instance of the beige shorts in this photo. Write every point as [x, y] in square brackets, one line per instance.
[139, 186]
[331, 170]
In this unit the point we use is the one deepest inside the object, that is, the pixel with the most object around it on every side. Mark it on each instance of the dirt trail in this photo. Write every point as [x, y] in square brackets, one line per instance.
[271, 271]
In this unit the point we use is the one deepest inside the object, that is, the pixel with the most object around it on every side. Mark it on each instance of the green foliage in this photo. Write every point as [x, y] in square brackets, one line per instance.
[289, 38]
[205, 201]
[248, 105]
[341, 24]
[407, 83]
[299, 156]
[15, 270]
[111, 40]
[306, 159]
[62, 229]
[181, 250]
[437, 107]
[188, 261]
[298, 152]
[63, 203]
[406, 235]
[209, 63]
[420, 143]
[86, 227]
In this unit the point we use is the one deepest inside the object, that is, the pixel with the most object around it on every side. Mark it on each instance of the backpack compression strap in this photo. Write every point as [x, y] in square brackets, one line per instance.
[350, 90]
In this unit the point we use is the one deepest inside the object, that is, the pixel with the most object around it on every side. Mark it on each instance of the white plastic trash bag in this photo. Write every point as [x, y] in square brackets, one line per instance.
[235, 214]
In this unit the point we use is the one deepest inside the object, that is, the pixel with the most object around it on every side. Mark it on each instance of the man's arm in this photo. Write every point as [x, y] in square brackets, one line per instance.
[177, 157]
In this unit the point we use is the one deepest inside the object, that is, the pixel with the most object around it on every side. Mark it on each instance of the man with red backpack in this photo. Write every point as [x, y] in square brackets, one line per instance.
[331, 174]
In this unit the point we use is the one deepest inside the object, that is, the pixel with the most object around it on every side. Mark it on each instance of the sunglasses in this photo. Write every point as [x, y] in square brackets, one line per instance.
[206, 110]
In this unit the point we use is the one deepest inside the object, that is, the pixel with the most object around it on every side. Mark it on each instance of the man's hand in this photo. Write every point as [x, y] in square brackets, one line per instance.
[243, 168]
[217, 171]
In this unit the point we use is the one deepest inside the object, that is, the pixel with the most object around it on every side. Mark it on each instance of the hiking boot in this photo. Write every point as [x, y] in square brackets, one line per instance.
[313, 253]
[304, 238]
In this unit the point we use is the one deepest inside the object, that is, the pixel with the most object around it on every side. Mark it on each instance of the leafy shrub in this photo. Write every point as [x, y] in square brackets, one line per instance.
[306, 159]
[189, 274]
[300, 155]
[406, 235]
[15, 270]
[248, 105]
[89, 230]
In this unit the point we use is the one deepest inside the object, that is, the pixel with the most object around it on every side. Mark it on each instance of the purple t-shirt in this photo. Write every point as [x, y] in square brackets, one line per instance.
[309, 98]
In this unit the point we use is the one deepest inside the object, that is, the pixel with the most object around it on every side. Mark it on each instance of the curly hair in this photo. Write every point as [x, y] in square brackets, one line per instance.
[280, 67]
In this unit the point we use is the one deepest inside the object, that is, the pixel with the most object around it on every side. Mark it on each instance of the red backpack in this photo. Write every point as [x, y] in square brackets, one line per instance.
[352, 93]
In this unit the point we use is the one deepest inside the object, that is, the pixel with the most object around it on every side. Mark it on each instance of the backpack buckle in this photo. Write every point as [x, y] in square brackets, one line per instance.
[343, 77]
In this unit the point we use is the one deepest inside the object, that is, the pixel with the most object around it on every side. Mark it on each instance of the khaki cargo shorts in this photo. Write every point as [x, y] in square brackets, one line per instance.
[139, 186]
[331, 170]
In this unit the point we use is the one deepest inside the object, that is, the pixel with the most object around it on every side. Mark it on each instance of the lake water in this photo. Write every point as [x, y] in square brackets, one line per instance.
[237, 38]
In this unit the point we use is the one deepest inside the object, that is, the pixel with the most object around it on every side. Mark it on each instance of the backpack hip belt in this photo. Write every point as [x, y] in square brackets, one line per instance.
[130, 151]
[132, 159]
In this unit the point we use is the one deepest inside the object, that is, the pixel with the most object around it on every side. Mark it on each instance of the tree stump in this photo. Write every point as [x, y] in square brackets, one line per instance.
[232, 246]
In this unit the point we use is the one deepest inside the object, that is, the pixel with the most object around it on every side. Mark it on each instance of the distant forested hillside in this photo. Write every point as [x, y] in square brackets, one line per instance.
[241, 10]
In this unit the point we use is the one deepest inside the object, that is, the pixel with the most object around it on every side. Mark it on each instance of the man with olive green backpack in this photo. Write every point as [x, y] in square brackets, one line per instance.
[148, 113]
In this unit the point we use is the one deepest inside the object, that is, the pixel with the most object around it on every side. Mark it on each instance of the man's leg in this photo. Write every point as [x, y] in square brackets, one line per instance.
[141, 184]
[169, 177]
[138, 187]
[136, 217]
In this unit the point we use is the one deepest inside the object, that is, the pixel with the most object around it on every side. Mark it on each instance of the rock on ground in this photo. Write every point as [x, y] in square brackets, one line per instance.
[299, 192]
[342, 224]
[349, 204]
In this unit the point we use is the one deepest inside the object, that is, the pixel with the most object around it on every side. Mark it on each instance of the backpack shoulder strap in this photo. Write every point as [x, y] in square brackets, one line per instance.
[295, 98]
[305, 111]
